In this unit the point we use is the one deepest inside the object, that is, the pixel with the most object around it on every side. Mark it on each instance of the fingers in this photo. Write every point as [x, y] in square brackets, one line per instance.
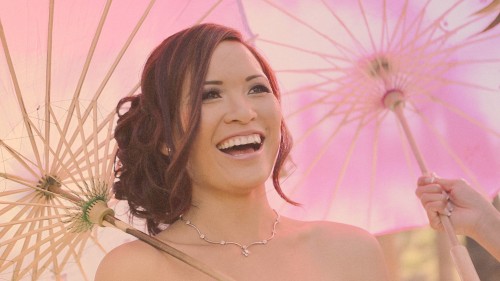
[434, 198]
[446, 184]
[429, 188]
[436, 203]
[424, 180]
[450, 184]
[434, 220]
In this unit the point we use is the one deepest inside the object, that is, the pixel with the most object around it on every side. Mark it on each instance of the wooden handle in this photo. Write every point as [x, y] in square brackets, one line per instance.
[395, 101]
[465, 267]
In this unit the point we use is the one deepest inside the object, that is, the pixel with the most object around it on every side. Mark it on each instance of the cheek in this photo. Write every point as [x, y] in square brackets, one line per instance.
[202, 144]
[194, 165]
[274, 120]
[275, 115]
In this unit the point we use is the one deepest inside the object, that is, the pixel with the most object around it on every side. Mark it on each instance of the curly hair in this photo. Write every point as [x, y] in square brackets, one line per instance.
[155, 183]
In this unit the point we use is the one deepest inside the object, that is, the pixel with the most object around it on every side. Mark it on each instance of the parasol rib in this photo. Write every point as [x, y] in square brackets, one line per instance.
[48, 76]
[29, 204]
[19, 97]
[400, 25]
[45, 253]
[88, 166]
[367, 26]
[452, 153]
[120, 55]
[72, 252]
[110, 72]
[362, 122]
[37, 218]
[74, 162]
[26, 242]
[107, 169]
[304, 50]
[83, 74]
[202, 18]
[337, 45]
[39, 224]
[346, 29]
[465, 116]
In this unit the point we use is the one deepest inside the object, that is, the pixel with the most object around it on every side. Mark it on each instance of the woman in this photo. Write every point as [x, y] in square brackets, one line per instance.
[470, 212]
[195, 149]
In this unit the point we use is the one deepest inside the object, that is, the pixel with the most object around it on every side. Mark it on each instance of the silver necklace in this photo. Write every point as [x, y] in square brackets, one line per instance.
[244, 248]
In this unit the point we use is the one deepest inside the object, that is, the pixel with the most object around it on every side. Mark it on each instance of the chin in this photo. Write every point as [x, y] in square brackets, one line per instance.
[249, 180]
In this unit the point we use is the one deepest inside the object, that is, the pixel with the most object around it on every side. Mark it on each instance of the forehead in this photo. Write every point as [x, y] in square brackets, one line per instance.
[232, 58]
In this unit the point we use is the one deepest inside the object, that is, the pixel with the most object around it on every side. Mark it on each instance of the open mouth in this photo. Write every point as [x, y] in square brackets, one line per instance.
[241, 144]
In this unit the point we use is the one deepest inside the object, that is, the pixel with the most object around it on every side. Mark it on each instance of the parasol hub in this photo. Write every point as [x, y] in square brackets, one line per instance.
[393, 98]
[49, 186]
[379, 66]
[96, 210]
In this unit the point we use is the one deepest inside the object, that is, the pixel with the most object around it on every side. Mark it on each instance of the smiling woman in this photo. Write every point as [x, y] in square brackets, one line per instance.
[195, 151]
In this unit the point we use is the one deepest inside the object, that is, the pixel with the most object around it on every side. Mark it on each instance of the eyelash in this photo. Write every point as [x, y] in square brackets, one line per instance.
[262, 88]
[210, 94]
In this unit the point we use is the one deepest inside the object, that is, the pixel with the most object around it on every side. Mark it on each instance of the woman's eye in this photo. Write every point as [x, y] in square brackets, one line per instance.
[210, 95]
[259, 89]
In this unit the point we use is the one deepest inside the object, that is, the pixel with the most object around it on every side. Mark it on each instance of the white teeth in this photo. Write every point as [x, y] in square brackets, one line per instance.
[239, 140]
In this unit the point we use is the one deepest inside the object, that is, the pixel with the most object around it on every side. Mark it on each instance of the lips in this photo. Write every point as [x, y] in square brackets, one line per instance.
[238, 145]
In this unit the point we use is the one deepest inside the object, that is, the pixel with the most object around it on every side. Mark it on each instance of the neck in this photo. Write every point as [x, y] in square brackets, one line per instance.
[242, 218]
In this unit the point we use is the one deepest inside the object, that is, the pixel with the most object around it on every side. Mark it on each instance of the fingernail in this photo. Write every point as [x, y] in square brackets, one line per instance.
[446, 196]
[429, 180]
[450, 208]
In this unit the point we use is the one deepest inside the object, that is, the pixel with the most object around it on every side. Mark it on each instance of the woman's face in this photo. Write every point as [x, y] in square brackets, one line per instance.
[239, 135]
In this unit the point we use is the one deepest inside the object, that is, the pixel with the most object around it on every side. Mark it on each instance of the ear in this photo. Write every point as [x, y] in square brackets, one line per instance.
[165, 150]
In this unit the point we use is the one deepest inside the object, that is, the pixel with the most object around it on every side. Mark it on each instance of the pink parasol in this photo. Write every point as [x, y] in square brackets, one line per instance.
[351, 158]
[346, 65]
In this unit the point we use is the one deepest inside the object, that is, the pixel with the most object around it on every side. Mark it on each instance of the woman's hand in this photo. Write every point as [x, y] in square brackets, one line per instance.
[452, 196]
[470, 212]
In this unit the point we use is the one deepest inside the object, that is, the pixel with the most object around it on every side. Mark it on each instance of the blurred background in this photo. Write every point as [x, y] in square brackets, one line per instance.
[65, 64]
[422, 255]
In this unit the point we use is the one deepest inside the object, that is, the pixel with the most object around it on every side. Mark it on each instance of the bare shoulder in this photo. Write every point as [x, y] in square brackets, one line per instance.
[343, 233]
[340, 237]
[131, 261]
[351, 253]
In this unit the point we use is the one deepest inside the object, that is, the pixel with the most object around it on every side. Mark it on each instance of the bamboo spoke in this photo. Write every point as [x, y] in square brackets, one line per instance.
[20, 99]
[76, 95]
[48, 80]
[24, 161]
[340, 47]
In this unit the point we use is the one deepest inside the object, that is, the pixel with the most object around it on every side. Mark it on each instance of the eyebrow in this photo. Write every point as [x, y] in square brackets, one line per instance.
[217, 82]
[254, 76]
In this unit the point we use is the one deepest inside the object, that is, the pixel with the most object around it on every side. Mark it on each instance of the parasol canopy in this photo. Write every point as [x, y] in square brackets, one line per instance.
[63, 67]
[337, 60]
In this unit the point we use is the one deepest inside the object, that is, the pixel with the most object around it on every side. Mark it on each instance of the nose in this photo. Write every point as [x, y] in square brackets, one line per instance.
[240, 110]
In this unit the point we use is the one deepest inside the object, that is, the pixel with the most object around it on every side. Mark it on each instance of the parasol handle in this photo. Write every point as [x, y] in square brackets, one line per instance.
[102, 215]
[394, 100]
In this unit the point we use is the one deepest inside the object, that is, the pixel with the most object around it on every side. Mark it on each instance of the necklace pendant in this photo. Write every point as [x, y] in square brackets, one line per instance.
[245, 252]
